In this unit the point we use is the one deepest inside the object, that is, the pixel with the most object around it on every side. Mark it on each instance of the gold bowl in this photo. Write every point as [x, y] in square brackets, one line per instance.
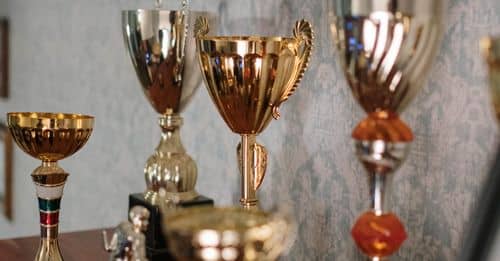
[248, 77]
[50, 136]
[207, 233]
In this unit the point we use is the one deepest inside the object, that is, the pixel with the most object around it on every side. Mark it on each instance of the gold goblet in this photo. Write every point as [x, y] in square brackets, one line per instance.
[248, 78]
[226, 234]
[491, 51]
[385, 48]
[49, 137]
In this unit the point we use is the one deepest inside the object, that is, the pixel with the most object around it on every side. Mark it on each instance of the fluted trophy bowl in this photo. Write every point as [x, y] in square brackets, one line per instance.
[226, 234]
[385, 49]
[248, 78]
[491, 50]
[49, 137]
[162, 50]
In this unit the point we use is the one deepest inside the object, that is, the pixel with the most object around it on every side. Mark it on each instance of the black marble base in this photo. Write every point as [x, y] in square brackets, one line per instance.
[155, 242]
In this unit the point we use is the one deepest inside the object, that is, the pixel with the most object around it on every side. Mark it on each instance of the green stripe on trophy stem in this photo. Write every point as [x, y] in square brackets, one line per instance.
[49, 204]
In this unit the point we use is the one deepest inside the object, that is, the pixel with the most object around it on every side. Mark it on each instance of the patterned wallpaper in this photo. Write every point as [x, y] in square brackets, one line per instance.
[69, 56]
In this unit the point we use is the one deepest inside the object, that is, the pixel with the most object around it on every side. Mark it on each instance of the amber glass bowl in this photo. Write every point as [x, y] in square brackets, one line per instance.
[50, 136]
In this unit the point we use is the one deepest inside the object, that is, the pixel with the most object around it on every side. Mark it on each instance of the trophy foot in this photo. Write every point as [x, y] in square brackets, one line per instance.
[49, 251]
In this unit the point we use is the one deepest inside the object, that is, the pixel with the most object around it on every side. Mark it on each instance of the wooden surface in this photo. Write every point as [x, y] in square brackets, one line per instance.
[83, 245]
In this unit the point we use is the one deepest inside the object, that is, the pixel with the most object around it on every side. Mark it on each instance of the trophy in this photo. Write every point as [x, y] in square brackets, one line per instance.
[162, 48]
[49, 137]
[248, 78]
[491, 51]
[226, 234]
[385, 49]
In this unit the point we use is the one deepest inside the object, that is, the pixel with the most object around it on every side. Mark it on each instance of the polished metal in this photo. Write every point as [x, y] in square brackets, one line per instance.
[128, 242]
[248, 78]
[49, 137]
[385, 49]
[162, 50]
[491, 51]
[226, 234]
[380, 159]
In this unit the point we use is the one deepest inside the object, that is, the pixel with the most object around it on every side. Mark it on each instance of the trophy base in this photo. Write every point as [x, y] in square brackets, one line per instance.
[159, 255]
[154, 234]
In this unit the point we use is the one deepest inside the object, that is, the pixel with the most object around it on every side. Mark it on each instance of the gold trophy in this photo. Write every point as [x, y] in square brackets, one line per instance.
[491, 51]
[162, 50]
[248, 78]
[49, 137]
[385, 49]
[226, 234]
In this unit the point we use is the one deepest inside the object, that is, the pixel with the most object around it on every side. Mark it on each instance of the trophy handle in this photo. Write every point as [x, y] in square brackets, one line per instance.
[304, 38]
[201, 27]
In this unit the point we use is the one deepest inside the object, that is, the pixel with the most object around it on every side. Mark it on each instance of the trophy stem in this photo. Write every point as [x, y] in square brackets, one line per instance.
[49, 180]
[170, 168]
[380, 187]
[248, 190]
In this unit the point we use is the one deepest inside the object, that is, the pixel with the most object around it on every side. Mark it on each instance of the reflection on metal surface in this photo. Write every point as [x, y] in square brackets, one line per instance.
[49, 137]
[385, 48]
[248, 78]
[226, 234]
[491, 49]
[128, 241]
[162, 50]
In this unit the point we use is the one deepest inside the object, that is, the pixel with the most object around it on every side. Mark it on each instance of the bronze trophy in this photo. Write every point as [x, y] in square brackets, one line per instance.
[49, 137]
[248, 78]
[385, 49]
[162, 51]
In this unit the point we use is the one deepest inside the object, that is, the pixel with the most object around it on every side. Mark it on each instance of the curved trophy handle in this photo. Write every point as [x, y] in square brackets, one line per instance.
[201, 27]
[304, 38]
[259, 162]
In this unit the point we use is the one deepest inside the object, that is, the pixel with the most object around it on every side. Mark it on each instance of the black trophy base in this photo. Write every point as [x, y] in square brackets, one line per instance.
[155, 241]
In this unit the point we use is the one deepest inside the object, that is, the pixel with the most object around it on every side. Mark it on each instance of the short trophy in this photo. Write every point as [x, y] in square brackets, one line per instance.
[491, 50]
[248, 78]
[162, 50]
[49, 137]
[227, 234]
[385, 49]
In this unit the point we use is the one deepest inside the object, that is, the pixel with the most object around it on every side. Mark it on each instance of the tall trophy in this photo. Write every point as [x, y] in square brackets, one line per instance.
[248, 78]
[49, 137]
[385, 49]
[491, 50]
[162, 50]
[227, 234]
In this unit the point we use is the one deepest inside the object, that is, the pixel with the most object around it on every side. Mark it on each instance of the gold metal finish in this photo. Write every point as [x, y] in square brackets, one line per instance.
[49, 137]
[226, 234]
[248, 78]
[491, 50]
[162, 50]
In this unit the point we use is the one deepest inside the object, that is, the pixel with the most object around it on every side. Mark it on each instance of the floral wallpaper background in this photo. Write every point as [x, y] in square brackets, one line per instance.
[69, 56]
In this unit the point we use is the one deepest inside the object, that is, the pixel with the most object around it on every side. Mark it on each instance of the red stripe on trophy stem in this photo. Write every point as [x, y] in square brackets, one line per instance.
[49, 219]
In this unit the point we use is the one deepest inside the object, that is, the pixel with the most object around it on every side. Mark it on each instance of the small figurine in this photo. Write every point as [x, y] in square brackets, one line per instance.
[128, 242]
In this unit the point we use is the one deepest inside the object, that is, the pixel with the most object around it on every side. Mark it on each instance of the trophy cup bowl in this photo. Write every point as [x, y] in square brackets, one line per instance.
[49, 137]
[226, 234]
[248, 78]
[385, 49]
[491, 50]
